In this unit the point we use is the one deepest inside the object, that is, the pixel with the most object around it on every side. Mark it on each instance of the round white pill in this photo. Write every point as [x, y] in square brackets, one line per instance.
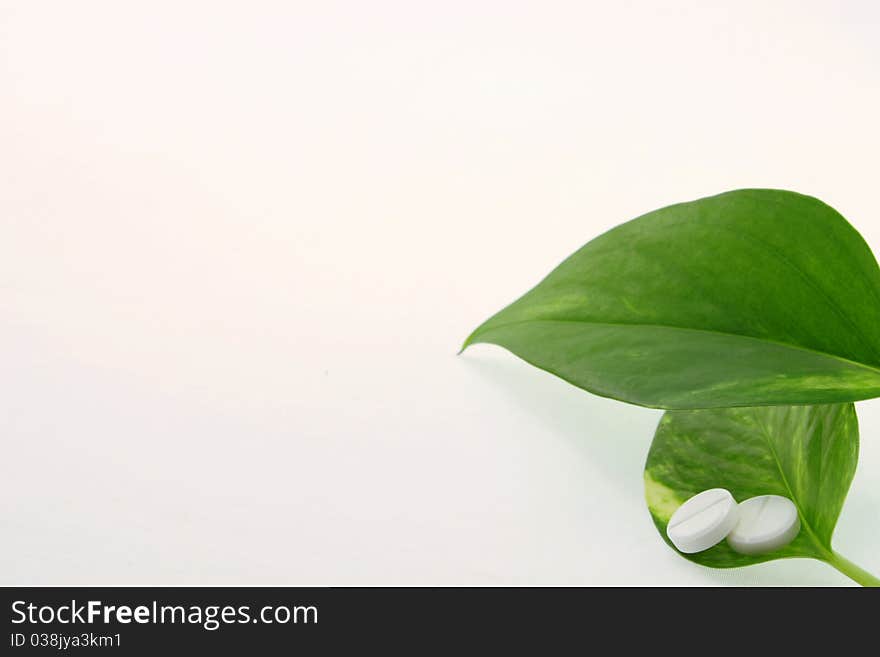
[766, 523]
[703, 521]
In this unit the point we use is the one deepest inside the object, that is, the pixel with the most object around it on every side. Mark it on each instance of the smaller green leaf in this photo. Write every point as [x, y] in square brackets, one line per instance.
[805, 453]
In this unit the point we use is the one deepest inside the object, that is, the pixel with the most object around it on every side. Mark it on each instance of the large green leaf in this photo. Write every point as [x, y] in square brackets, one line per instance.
[749, 298]
[805, 453]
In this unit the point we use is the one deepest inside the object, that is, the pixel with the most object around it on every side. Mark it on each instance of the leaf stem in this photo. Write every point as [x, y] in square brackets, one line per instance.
[851, 570]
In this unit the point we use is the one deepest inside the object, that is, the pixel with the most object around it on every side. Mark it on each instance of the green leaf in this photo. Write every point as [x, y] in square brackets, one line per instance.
[805, 453]
[749, 298]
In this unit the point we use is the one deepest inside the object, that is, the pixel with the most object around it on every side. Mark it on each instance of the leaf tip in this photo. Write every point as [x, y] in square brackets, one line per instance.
[469, 340]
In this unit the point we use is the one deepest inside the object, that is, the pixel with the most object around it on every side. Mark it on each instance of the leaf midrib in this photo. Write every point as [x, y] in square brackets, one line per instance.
[471, 338]
[817, 543]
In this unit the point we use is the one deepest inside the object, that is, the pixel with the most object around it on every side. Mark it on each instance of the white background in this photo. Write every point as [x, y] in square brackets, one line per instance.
[241, 243]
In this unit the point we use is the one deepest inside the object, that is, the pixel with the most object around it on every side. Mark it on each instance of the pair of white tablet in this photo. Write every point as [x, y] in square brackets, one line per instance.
[755, 526]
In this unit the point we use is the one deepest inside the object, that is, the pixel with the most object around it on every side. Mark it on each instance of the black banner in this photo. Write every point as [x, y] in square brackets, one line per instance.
[151, 621]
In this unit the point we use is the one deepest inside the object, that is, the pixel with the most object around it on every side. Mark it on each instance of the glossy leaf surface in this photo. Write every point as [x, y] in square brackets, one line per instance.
[805, 453]
[748, 298]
